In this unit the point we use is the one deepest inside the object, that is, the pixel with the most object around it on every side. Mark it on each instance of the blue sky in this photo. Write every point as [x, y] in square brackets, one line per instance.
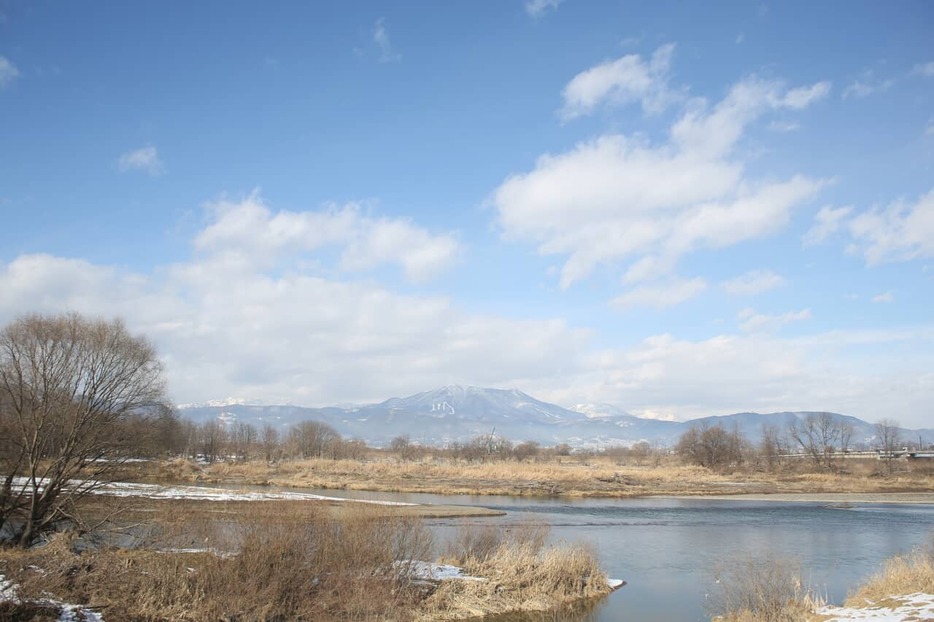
[681, 209]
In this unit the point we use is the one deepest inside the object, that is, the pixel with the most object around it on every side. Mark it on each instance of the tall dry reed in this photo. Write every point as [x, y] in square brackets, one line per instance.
[901, 575]
[760, 590]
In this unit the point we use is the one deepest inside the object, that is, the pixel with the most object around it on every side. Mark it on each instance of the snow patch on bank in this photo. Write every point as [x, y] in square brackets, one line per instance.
[918, 606]
[67, 612]
[430, 571]
[7, 589]
[156, 491]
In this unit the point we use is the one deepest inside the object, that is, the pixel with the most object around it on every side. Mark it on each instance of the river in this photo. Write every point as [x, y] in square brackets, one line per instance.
[667, 548]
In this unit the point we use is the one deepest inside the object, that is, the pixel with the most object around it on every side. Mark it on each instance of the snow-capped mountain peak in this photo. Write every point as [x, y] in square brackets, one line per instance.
[599, 411]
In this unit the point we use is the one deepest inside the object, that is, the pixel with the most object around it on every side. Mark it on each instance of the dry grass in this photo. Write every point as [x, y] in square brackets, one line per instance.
[523, 574]
[592, 476]
[291, 567]
[296, 561]
[753, 590]
[901, 575]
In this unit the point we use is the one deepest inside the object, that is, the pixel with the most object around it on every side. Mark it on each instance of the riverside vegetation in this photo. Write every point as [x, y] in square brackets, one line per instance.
[296, 561]
[772, 590]
[615, 473]
[81, 399]
[78, 398]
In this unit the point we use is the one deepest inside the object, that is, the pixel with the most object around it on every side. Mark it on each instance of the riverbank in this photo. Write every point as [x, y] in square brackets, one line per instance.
[842, 498]
[199, 560]
[568, 477]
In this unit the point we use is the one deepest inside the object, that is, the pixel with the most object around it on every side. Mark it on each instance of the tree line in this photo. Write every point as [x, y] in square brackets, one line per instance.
[79, 396]
[819, 438]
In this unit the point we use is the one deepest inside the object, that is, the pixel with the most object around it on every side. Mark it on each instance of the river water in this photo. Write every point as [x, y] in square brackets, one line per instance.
[667, 548]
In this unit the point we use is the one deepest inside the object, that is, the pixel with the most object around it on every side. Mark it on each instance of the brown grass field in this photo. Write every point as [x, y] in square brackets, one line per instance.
[283, 560]
[563, 476]
[294, 560]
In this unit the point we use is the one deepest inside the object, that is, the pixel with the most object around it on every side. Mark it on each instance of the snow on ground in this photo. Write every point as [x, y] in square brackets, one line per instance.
[156, 491]
[7, 589]
[75, 613]
[913, 607]
[68, 613]
[430, 571]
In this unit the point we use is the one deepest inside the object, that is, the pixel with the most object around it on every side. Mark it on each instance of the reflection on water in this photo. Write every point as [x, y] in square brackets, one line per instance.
[587, 611]
[667, 549]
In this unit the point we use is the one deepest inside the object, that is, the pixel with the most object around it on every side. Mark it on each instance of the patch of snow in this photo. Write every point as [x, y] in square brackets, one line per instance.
[68, 613]
[430, 571]
[155, 491]
[7, 589]
[919, 606]
[76, 613]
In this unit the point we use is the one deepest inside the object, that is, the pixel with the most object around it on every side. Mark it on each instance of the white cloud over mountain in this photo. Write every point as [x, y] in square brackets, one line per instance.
[621, 199]
[364, 242]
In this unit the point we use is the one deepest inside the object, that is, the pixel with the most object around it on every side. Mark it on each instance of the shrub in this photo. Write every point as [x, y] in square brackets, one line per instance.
[902, 574]
[766, 590]
[520, 571]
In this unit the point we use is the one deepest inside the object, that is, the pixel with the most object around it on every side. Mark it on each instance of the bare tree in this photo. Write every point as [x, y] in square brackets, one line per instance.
[526, 450]
[711, 446]
[269, 439]
[817, 435]
[310, 439]
[889, 436]
[243, 441]
[67, 387]
[770, 448]
[212, 440]
[403, 447]
[846, 434]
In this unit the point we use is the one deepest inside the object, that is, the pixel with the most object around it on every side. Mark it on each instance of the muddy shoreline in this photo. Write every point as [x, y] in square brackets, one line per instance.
[823, 497]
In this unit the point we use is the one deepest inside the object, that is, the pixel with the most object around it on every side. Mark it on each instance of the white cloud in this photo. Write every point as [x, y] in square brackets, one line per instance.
[899, 231]
[537, 8]
[225, 327]
[841, 371]
[8, 72]
[144, 159]
[381, 39]
[250, 228]
[753, 282]
[867, 84]
[924, 69]
[784, 126]
[929, 128]
[228, 328]
[826, 222]
[800, 98]
[752, 322]
[617, 198]
[624, 80]
[668, 294]
[887, 297]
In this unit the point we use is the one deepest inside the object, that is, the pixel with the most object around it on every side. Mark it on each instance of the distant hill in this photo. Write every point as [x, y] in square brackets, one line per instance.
[459, 414]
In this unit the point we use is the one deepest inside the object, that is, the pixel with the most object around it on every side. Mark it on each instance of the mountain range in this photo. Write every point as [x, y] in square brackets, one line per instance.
[459, 414]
